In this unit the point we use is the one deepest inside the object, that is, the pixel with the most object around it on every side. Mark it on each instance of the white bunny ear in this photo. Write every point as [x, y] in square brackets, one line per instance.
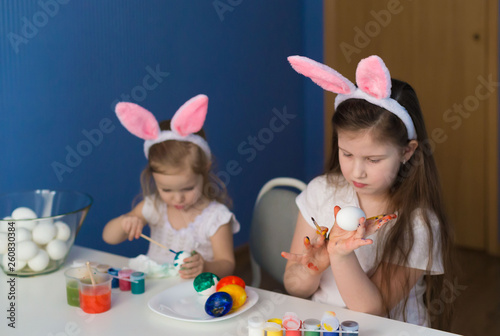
[190, 117]
[373, 77]
[322, 75]
[137, 120]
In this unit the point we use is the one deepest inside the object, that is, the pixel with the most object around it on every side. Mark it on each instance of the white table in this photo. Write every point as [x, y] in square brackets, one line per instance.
[41, 309]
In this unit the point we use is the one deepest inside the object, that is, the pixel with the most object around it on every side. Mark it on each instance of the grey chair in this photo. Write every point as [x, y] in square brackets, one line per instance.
[273, 224]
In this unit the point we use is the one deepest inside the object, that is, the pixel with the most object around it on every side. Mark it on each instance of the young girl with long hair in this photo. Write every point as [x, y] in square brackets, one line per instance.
[397, 265]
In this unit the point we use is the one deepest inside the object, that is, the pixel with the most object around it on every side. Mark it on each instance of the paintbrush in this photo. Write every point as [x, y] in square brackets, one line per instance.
[318, 228]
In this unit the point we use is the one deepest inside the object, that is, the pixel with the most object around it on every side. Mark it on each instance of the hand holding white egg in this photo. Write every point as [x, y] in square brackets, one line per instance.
[348, 218]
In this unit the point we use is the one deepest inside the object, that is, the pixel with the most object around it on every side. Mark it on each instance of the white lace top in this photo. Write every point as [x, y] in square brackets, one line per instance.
[194, 237]
[319, 199]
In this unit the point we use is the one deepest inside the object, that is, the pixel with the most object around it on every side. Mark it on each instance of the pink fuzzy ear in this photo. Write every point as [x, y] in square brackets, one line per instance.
[373, 77]
[190, 117]
[137, 120]
[321, 74]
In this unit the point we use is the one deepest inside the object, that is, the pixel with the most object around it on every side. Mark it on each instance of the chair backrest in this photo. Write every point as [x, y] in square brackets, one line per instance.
[273, 224]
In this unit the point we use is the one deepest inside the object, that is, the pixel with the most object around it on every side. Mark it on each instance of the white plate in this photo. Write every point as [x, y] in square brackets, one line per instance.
[182, 302]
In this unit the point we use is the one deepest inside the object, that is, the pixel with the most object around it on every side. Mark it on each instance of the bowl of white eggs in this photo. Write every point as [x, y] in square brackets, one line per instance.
[38, 228]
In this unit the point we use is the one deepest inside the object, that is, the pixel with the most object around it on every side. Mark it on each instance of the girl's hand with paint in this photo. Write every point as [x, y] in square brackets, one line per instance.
[315, 256]
[192, 266]
[132, 226]
[342, 242]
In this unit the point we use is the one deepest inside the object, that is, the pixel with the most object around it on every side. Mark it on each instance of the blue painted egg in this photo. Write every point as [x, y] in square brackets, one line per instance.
[218, 304]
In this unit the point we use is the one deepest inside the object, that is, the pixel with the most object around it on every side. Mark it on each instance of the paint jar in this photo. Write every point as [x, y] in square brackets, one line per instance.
[114, 272]
[125, 274]
[273, 329]
[96, 298]
[330, 324]
[275, 320]
[311, 327]
[102, 268]
[73, 276]
[291, 323]
[351, 326]
[138, 286]
[255, 326]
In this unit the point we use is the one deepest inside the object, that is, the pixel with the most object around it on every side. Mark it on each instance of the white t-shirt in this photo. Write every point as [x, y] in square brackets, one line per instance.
[196, 236]
[319, 199]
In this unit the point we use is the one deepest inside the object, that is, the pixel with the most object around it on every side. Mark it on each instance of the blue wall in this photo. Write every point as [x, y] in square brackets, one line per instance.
[64, 64]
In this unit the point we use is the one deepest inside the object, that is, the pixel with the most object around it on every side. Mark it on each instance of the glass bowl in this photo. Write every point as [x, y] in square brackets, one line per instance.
[38, 229]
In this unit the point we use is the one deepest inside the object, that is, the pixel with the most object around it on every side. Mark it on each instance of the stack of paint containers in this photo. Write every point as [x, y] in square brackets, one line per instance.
[291, 325]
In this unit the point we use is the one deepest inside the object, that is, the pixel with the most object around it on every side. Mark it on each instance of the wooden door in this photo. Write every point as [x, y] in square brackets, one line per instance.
[447, 50]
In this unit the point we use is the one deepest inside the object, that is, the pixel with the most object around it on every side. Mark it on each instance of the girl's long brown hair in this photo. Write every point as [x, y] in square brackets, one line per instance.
[417, 187]
[182, 154]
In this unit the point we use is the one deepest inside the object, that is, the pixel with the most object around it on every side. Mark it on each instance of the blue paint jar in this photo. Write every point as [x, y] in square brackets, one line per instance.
[138, 284]
[114, 272]
[351, 326]
[330, 324]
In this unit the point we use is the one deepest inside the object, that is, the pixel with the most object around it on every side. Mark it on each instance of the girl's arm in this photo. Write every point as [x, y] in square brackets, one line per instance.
[222, 245]
[364, 294]
[223, 263]
[307, 259]
[126, 226]
[360, 292]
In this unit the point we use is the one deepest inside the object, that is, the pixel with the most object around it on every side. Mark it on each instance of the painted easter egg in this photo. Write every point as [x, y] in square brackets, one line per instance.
[238, 294]
[231, 280]
[205, 283]
[348, 218]
[218, 304]
[179, 259]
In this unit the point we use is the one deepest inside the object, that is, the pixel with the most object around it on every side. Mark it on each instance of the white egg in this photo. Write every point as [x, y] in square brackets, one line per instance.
[44, 232]
[19, 264]
[23, 213]
[26, 250]
[39, 262]
[348, 217]
[179, 257]
[4, 224]
[63, 231]
[56, 249]
[23, 234]
[26, 224]
[3, 243]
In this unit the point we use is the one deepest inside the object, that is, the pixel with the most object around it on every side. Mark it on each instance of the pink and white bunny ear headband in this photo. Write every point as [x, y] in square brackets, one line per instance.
[373, 79]
[188, 120]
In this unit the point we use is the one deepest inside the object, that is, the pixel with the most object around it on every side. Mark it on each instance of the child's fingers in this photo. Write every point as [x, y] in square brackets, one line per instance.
[363, 242]
[379, 221]
[324, 231]
[307, 243]
[292, 256]
[360, 232]
[336, 210]
[138, 231]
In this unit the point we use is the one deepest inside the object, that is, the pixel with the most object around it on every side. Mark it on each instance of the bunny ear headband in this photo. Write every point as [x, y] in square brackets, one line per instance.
[188, 120]
[372, 77]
